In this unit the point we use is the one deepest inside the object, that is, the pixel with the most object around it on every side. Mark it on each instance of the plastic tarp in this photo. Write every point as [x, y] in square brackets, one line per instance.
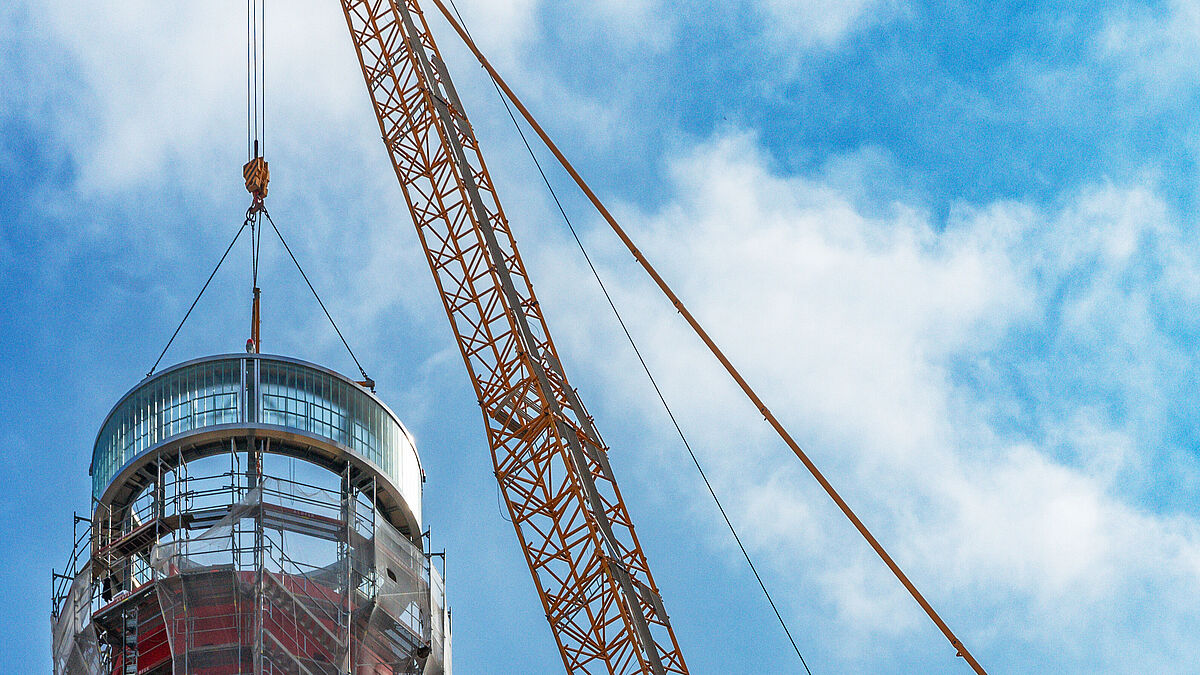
[206, 594]
[241, 593]
[396, 632]
[75, 649]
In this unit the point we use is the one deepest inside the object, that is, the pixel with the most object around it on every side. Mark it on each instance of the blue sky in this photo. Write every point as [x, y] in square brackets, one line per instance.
[952, 244]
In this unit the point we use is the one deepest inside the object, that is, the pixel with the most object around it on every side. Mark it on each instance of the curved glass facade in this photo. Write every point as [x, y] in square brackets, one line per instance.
[256, 390]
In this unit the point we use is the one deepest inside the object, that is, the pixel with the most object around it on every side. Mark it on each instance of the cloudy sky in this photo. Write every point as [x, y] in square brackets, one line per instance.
[952, 243]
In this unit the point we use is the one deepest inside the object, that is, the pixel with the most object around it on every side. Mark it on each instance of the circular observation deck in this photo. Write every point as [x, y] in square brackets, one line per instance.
[197, 408]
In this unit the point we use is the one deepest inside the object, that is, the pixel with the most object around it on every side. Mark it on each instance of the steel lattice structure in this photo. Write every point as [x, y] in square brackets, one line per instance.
[590, 571]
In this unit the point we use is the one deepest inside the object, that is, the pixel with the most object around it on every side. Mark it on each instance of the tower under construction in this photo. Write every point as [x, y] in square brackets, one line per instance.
[251, 514]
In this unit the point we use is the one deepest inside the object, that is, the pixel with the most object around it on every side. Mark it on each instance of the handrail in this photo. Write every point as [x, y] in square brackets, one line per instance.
[60, 583]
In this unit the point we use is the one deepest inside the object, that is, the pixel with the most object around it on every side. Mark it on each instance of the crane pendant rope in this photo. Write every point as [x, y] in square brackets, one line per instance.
[961, 649]
[224, 255]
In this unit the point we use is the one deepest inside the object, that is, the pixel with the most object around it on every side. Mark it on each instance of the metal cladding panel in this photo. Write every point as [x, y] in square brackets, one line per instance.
[254, 390]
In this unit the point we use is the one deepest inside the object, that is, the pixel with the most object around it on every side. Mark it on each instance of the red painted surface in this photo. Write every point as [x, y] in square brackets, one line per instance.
[222, 623]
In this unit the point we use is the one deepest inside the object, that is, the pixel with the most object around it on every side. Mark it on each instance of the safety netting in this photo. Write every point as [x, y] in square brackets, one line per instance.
[75, 648]
[296, 582]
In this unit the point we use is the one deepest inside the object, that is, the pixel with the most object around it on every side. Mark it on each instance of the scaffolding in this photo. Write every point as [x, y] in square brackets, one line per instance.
[219, 560]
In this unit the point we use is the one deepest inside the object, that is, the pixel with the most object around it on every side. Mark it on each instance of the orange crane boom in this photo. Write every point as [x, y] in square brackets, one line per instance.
[591, 574]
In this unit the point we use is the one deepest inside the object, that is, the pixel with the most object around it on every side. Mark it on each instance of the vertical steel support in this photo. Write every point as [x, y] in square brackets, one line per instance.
[346, 553]
[129, 638]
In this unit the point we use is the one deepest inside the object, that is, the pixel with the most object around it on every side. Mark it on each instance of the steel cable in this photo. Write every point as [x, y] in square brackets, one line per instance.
[662, 399]
[645, 367]
[198, 295]
[960, 649]
[315, 294]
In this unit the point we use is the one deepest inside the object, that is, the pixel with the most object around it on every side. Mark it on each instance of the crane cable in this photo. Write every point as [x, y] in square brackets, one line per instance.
[256, 115]
[198, 295]
[256, 78]
[662, 399]
[367, 381]
[645, 367]
[784, 435]
[251, 218]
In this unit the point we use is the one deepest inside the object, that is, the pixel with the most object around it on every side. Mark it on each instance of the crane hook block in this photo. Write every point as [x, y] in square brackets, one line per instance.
[257, 176]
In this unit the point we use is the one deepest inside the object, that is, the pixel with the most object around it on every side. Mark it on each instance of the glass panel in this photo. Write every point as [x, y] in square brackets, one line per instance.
[189, 398]
[290, 395]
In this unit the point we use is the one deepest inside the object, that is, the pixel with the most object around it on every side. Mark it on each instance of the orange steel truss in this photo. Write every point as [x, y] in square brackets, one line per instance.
[590, 571]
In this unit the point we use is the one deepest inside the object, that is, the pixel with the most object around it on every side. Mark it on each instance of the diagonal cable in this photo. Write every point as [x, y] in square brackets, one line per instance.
[645, 367]
[198, 295]
[315, 294]
[960, 649]
[662, 399]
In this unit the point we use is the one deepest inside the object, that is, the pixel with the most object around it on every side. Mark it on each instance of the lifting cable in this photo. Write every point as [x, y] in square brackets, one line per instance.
[256, 173]
[645, 367]
[961, 649]
[256, 78]
[202, 289]
[256, 233]
[370, 384]
[662, 399]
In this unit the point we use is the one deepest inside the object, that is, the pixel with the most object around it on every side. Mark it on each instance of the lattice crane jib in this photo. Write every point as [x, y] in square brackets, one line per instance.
[590, 571]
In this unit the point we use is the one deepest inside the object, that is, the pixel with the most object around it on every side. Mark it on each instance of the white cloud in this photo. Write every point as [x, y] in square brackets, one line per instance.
[159, 87]
[813, 23]
[158, 92]
[1155, 49]
[503, 28]
[1018, 525]
[500, 29]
